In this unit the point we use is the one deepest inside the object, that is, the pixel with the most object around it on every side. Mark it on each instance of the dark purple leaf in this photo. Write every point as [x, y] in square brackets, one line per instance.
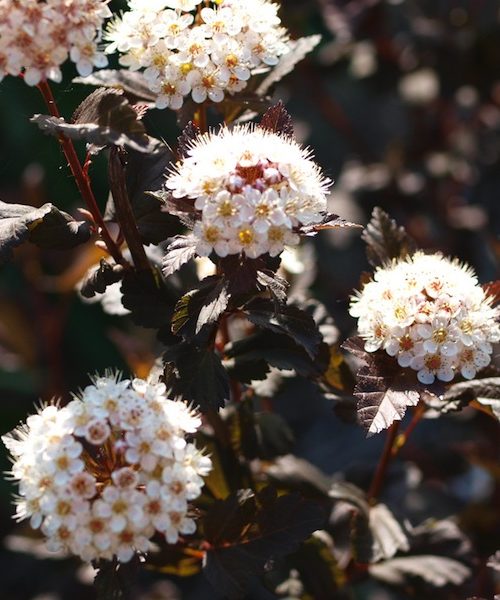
[287, 319]
[47, 227]
[98, 279]
[181, 249]
[196, 375]
[185, 140]
[386, 240]
[104, 118]
[277, 119]
[382, 389]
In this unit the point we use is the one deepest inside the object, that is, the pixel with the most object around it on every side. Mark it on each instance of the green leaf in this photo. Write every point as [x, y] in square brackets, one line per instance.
[97, 280]
[289, 320]
[47, 227]
[196, 375]
[385, 240]
[104, 118]
[254, 531]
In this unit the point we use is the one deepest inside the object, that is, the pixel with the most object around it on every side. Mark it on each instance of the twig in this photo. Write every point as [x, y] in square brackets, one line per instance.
[200, 118]
[380, 473]
[82, 180]
[126, 219]
[402, 438]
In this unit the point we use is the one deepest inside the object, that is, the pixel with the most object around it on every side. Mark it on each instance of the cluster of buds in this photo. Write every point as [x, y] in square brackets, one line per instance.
[200, 48]
[37, 36]
[253, 189]
[431, 314]
[104, 473]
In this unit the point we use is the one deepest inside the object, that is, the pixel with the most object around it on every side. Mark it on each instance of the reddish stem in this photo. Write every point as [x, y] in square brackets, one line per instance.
[82, 180]
[200, 118]
[403, 437]
[380, 473]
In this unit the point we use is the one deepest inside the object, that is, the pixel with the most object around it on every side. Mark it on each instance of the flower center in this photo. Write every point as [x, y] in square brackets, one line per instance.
[226, 209]
[406, 343]
[275, 234]
[466, 326]
[246, 236]
[211, 234]
[119, 507]
[440, 335]
[433, 362]
[263, 210]
[168, 89]
[231, 60]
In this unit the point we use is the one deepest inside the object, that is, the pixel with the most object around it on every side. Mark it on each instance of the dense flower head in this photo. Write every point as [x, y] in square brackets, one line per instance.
[101, 475]
[253, 189]
[202, 49]
[430, 313]
[37, 36]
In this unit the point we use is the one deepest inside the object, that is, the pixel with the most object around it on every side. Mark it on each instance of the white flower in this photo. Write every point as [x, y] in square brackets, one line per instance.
[36, 38]
[101, 475]
[430, 313]
[209, 83]
[252, 188]
[216, 46]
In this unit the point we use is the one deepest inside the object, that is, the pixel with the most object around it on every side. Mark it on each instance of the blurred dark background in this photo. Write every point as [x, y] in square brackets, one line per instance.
[401, 104]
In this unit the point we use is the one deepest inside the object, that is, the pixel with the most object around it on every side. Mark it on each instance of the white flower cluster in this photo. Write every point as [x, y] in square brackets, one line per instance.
[36, 36]
[253, 188]
[200, 48]
[430, 313]
[102, 474]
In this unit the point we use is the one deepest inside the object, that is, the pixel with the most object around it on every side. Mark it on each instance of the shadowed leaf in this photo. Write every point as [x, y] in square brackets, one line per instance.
[287, 319]
[196, 375]
[47, 227]
[98, 280]
[277, 350]
[275, 526]
[113, 579]
[145, 173]
[148, 298]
